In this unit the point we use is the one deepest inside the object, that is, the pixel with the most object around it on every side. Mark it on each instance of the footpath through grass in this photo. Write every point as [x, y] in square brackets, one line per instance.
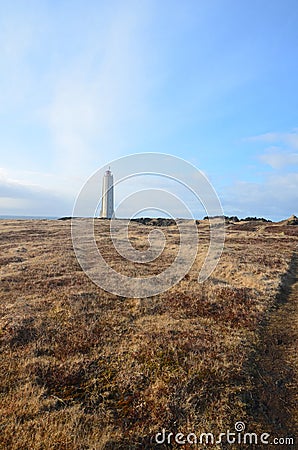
[274, 402]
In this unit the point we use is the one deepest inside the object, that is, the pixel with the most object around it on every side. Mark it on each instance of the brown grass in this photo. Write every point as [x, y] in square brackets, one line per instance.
[84, 369]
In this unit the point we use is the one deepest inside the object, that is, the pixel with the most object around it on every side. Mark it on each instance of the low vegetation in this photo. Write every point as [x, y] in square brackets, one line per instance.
[85, 369]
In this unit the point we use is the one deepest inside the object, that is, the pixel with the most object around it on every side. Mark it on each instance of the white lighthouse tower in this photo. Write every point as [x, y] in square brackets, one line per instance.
[107, 204]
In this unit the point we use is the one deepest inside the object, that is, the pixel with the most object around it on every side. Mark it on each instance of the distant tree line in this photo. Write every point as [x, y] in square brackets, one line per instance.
[236, 219]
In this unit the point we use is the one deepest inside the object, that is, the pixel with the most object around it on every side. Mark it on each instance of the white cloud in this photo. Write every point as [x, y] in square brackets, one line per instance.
[21, 198]
[82, 91]
[99, 95]
[276, 197]
[289, 139]
[278, 158]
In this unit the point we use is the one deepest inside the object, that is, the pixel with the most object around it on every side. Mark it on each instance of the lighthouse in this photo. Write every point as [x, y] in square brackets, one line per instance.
[107, 201]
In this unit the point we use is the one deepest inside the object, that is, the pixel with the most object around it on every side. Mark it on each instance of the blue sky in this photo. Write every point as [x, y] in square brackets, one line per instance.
[86, 82]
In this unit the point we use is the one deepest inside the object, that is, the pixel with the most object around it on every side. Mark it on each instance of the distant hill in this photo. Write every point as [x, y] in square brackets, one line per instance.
[293, 220]
[236, 219]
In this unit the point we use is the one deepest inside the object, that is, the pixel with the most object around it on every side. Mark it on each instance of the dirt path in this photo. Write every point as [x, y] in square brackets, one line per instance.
[275, 394]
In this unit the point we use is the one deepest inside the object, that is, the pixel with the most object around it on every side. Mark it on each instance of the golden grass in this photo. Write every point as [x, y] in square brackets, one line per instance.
[84, 369]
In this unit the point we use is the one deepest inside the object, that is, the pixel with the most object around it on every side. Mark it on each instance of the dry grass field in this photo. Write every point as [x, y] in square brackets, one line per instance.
[85, 369]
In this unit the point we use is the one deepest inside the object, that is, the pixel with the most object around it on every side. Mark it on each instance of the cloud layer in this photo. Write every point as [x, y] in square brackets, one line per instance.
[21, 198]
